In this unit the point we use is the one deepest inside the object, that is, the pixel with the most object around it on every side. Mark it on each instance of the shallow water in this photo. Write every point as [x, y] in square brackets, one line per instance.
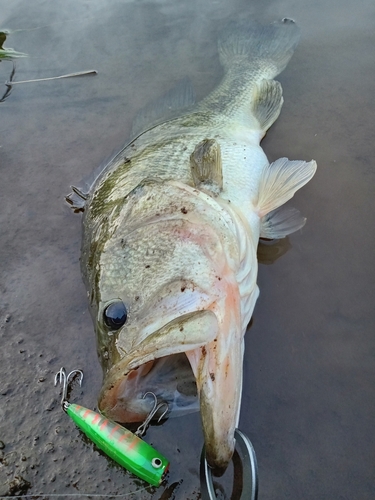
[309, 392]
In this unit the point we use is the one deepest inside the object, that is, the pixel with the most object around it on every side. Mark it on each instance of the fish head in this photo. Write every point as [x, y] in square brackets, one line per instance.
[166, 308]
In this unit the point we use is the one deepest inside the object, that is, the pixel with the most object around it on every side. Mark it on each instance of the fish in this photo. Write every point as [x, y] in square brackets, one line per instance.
[171, 227]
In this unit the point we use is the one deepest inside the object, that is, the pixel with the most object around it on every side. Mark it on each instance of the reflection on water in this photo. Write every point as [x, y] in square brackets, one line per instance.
[308, 400]
[270, 251]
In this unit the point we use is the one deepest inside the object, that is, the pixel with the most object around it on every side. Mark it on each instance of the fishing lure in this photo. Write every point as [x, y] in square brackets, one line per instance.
[120, 444]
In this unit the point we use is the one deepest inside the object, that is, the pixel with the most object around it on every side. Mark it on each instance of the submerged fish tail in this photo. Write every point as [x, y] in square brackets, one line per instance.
[252, 55]
[270, 47]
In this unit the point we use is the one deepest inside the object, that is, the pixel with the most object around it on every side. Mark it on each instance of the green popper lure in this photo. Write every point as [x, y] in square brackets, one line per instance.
[120, 444]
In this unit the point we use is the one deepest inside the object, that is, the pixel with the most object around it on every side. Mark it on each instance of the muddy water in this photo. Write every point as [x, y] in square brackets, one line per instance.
[309, 397]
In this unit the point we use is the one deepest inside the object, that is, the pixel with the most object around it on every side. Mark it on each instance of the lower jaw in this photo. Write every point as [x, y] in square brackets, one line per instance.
[171, 380]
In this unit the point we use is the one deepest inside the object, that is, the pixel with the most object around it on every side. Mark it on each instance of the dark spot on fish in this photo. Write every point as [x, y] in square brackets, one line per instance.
[181, 329]
[183, 210]
[137, 297]
[146, 267]
[126, 160]
[204, 352]
[212, 375]
[183, 288]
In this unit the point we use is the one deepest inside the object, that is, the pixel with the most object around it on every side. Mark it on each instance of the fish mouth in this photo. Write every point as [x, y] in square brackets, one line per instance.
[158, 364]
[170, 378]
[215, 355]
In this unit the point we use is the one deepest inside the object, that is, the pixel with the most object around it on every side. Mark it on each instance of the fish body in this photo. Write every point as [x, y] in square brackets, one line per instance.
[170, 233]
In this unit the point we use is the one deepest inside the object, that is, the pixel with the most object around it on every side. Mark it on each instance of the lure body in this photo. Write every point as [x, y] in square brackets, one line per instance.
[124, 447]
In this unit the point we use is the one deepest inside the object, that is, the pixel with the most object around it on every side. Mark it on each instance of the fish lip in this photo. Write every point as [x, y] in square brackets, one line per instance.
[114, 381]
[131, 361]
[185, 333]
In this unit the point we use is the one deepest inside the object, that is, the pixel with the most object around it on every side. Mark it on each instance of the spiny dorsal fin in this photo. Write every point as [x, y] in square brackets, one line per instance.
[280, 180]
[267, 103]
[206, 166]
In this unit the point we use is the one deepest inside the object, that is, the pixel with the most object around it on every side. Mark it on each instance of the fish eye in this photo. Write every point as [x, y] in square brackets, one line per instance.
[115, 315]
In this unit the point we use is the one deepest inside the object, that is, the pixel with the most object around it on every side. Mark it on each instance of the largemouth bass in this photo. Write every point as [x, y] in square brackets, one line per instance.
[170, 234]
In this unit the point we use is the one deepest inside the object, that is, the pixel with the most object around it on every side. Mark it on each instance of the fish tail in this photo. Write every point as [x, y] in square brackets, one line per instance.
[271, 45]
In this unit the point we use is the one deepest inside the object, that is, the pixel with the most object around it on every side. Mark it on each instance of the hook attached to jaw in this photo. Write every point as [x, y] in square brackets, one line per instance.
[157, 406]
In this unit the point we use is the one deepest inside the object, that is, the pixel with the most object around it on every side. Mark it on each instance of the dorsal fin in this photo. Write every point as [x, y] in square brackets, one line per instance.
[206, 166]
[166, 107]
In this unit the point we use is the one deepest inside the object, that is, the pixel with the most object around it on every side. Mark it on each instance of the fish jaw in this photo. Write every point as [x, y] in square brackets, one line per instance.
[212, 340]
[186, 333]
[218, 368]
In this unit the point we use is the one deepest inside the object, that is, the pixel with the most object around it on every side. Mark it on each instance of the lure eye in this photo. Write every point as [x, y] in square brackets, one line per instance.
[156, 463]
[115, 315]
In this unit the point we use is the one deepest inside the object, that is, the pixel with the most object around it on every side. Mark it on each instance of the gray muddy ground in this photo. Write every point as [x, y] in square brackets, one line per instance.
[309, 392]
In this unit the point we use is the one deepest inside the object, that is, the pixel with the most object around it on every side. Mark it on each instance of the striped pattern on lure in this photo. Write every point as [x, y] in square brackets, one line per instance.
[124, 447]
[120, 444]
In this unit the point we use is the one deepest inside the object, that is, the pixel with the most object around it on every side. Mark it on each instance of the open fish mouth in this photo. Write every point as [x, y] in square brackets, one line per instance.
[170, 378]
[159, 365]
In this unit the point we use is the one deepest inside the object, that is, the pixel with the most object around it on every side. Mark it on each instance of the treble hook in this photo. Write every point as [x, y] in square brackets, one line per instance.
[62, 377]
[143, 427]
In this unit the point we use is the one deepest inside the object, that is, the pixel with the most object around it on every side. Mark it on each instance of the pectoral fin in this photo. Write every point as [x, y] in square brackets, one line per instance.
[206, 166]
[280, 180]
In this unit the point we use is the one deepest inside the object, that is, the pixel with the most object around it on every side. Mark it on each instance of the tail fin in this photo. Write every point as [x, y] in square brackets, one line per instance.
[273, 44]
